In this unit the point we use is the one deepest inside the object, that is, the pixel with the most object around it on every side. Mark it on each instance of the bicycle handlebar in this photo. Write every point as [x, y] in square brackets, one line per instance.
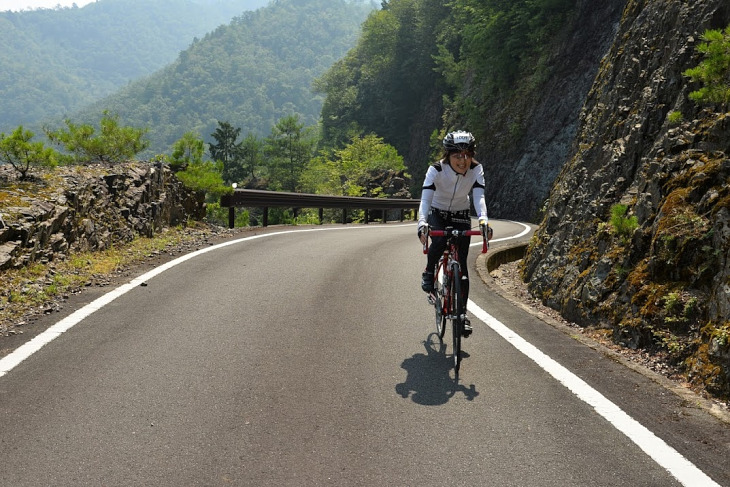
[456, 233]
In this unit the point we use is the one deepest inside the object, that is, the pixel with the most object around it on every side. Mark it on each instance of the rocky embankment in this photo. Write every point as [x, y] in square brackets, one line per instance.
[662, 284]
[88, 208]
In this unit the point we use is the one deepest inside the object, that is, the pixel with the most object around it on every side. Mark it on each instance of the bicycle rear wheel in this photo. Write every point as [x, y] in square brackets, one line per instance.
[455, 313]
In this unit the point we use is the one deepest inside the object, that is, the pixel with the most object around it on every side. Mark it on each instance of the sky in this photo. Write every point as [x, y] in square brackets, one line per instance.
[16, 5]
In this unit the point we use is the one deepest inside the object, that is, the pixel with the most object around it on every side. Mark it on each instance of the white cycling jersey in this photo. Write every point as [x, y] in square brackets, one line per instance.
[447, 190]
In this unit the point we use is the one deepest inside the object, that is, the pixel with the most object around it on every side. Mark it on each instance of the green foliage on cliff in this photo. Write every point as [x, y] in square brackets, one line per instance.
[714, 71]
[468, 51]
[623, 225]
[381, 84]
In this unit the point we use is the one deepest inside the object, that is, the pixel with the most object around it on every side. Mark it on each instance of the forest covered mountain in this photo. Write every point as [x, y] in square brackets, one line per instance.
[56, 61]
[251, 72]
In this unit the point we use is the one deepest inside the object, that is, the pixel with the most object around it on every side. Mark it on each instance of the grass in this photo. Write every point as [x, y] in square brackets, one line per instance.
[35, 287]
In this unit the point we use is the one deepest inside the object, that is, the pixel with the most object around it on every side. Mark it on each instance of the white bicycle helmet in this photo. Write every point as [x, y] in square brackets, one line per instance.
[459, 141]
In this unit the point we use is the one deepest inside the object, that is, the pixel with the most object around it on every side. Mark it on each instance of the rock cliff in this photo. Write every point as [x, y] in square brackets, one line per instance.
[661, 281]
[530, 133]
[88, 208]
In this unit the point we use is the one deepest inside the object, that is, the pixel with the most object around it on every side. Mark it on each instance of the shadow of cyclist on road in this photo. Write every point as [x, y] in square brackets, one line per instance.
[429, 381]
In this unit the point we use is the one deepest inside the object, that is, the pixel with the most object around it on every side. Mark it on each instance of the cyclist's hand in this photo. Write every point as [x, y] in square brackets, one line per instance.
[486, 229]
[423, 233]
[483, 227]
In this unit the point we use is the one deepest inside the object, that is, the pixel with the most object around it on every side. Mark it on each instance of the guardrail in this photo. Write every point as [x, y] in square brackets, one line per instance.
[254, 198]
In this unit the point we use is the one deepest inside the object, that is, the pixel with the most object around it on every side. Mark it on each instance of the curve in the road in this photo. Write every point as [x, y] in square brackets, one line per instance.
[671, 460]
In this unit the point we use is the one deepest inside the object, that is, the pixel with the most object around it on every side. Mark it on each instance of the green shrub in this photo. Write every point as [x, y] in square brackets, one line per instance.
[307, 217]
[675, 117]
[714, 71]
[623, 226]
[218, 215]
[112, 144]
[18, 151]
[205, 177]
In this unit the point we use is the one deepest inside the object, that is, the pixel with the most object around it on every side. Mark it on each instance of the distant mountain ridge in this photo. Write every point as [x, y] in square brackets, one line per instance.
[250, 73]
[55, 61]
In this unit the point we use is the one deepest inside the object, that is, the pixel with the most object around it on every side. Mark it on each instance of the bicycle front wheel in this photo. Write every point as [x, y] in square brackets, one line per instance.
[440, 290]
[455, 313]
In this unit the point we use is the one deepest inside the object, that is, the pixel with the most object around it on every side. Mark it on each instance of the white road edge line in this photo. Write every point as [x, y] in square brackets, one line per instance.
[667, 457]
[10, 361]
[664, 455]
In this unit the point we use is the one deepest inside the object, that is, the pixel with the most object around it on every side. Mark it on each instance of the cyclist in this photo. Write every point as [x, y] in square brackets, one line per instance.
[445, 202]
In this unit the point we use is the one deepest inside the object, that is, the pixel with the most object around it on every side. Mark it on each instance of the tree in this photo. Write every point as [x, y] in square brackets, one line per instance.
[714, 71]
[113, 143]
[188, 150]
[384, 83]
[351, 168]
[289, 148]
[250, 152]
[204, 176]
[363, 156]
[227, 151]
[18, 151]
[193, 171]
[322, 176]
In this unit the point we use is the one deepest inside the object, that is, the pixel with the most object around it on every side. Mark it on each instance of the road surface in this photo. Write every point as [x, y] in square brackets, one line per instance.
[305, 356]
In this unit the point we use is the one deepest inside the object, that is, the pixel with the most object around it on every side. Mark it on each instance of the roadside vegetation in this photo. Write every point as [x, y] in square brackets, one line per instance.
[40, 288]
[292, 158]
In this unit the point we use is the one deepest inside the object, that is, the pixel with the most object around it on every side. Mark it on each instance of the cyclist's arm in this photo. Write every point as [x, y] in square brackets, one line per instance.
[480, 204]
[427, 193]
[423, 208]
[425, 205]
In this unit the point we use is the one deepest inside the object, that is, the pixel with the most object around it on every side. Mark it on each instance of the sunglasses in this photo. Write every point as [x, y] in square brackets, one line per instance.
[462, 155]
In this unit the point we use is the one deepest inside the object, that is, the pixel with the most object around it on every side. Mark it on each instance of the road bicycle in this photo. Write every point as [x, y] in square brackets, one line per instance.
[447, 298]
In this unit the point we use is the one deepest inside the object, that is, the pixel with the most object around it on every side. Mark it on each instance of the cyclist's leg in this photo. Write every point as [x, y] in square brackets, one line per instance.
[464, 296]
[438, 244]
[463, 254]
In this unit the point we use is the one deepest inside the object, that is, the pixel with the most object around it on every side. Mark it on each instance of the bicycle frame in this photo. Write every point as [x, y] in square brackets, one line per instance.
[451, 257]
[447, 283]
[448, 269]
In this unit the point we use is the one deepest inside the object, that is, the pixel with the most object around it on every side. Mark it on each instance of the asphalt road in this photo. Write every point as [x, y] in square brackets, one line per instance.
[306, 357]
